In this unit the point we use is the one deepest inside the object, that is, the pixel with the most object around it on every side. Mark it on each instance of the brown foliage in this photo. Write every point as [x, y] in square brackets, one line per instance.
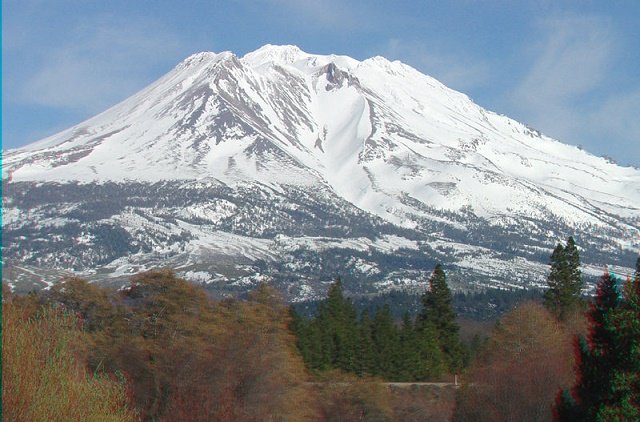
[89, 302]
[190, 358]
[527, 359]
[422, 403]
[255, 372]
[44, 369]
[345, 397]
[187, 357]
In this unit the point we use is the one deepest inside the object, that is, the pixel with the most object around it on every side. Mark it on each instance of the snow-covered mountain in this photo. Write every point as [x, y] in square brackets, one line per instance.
[294, 166]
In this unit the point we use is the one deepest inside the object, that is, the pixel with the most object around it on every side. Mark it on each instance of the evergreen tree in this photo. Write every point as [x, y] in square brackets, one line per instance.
[608, 385]
[431, 359]
[552, 297]
[623, 399]
[301, 328]
[385, 340]
[366, 353]
[565, 281]
[338, 329]
[438, 312]
[410, 361]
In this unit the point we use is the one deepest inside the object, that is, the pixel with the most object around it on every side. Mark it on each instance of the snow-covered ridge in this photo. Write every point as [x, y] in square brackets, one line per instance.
[379, 135]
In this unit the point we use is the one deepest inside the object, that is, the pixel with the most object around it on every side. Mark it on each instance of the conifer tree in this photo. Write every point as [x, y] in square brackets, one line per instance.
[608, 385]
[565, 281]
[301, 328]
[408, 351]
[431, 359]
[337, 321]
[366, 353]
[439, 313]
[385, 340]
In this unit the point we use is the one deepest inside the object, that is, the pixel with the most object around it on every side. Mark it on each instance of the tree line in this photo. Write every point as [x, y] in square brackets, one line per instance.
[572, 359]
[417, 349]
[161, 349]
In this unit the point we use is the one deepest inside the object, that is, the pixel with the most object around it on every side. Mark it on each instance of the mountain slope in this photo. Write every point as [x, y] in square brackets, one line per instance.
[287, 138]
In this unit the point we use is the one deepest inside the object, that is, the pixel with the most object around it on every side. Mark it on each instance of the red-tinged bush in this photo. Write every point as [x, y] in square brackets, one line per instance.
[527, 358]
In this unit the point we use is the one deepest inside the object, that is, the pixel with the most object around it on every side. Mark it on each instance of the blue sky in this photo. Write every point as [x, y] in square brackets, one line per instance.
[570, 69]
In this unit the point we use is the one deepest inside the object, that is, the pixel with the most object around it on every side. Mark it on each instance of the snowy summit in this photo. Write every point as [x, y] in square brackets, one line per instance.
[378, 135]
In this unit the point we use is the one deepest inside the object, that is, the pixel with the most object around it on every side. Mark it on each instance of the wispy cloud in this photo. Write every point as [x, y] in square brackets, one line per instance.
[458, 71]
[330, 14]
[569, 62]
[100, 64]
[568, 91]
[617, 119]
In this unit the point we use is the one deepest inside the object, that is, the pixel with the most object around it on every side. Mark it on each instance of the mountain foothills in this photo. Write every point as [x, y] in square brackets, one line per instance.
[293, 168]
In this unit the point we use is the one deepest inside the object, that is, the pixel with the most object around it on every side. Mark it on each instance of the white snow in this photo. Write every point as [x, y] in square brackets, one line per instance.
[374, 131]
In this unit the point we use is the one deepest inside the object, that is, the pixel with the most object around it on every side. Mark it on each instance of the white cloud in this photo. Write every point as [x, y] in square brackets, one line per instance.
[102, 63]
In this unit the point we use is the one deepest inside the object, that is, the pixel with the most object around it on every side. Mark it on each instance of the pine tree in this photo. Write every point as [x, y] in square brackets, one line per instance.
[623, 399]
[385, 340]
[366, 354]
[565, 281]
[438, 312]
[608, 385]
[337, 324]
[408, 353]
[305, 342]
[431, 359]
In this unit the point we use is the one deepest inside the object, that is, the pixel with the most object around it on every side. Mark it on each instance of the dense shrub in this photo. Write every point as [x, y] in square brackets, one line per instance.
[44, 375]
[526, 359]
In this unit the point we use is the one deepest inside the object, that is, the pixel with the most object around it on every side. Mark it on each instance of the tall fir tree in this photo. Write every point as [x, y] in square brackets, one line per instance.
[608, 384]
[438, 312]
[565, 281]
[338, 328]
[365, 352]
[431, 359]
[408, 351]
[385, 340]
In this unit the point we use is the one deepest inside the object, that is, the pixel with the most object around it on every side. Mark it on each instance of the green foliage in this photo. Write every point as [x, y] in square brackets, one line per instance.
[337, 323]
[565, 281]
[379, 346]
[438, 313]
[366, 363]
[386, 343]
[608, 384]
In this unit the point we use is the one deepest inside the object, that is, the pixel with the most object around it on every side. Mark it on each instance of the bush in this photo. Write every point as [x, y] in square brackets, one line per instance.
[44, 370]
[526, 359]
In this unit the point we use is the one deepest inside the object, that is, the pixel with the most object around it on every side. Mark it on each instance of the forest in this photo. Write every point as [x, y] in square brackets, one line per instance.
[161, 349]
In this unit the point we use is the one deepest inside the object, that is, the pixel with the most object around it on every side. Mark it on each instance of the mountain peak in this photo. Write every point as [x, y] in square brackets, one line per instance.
[373, 140]
[204, 57]
[269, 53]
